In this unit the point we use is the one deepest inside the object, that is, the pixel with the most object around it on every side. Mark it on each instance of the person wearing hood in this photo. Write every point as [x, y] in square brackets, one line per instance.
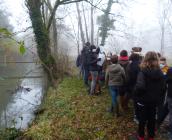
[123, 61]
[149, 88]
[85, 64]
[169, 99]
[163, 65]
[115, 77]
[132, 71]
[162, 110]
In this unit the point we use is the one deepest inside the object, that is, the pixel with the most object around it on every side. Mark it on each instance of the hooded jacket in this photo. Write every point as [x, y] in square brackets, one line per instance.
[169, 83]
[150, 86]
[85, 54]
[115, 75]
[132, 72]
[93, 59]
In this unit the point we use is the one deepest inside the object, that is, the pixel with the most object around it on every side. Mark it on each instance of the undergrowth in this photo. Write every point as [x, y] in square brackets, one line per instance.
[71, 114]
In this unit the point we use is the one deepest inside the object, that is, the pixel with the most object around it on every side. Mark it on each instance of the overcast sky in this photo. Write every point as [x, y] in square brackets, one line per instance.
[140, 15]
[141, 12]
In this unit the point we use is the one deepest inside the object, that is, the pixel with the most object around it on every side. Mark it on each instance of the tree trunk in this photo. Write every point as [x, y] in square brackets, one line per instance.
[78, 41]
[162, 40]
[42, 39]
[92, 24]
[80, 24]
[54, 28]
[85, 21]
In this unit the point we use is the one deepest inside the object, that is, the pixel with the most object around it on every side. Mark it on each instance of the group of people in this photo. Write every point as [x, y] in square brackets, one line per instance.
[145, 80]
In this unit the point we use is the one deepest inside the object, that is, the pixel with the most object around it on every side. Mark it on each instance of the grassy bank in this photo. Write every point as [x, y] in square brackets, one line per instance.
[70, 114]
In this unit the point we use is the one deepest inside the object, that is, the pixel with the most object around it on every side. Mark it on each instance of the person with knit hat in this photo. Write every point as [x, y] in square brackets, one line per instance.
[123, 61]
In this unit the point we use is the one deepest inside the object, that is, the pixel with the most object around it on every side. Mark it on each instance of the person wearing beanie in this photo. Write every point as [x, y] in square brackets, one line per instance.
[123, 61]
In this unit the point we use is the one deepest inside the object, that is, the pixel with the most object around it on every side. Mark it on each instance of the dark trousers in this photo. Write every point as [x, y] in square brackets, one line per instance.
[146, 116]
[161, 110]
[86, 74]
[162, 115]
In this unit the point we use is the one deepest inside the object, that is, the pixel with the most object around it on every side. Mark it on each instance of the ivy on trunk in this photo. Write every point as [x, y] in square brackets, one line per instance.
[42, 39]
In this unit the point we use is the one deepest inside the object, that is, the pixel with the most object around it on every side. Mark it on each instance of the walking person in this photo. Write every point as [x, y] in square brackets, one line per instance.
[132, 71]
[93, 67]
[85, 53]
[123, 61]
[79, 65]
[115, 78]
[149, 88]
[169, 100]
[162, 109]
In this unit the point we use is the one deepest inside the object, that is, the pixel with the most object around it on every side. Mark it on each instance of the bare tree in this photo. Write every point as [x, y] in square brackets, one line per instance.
[92, 24]
[41, 33]
[80, 24]
[54, 30]
[163, 18]
[85, 21]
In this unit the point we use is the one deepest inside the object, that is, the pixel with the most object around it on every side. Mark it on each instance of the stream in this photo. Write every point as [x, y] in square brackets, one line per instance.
[21, 96]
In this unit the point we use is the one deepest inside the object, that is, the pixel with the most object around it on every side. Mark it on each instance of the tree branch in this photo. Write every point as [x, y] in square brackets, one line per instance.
[25, 30]
[104, 11]
[58, 3]
[64, 2]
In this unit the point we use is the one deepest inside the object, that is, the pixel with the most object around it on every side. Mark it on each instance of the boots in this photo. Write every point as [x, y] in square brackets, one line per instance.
[117, 110]
[122, 102]
[114, 110]
[111, 109]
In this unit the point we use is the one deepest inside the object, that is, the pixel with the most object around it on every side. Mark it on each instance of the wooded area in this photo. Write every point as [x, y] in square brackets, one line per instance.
[61, 38]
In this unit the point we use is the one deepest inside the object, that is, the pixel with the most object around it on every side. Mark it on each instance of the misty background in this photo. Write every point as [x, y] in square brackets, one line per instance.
[138, 23]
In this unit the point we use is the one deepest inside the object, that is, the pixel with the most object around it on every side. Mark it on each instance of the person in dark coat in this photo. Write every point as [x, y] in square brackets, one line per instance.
[85, 53]
[162, 109]
[149, 89]
[93, 67]
[131, 73]
[169, 99]
[79, 65]
[123, 61]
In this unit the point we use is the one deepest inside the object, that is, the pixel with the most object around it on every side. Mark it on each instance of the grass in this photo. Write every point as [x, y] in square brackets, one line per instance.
[70, 114]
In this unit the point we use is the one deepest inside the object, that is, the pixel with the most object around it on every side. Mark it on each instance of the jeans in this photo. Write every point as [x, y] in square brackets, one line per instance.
[94, 75]
[146, 116]
[86, 74]
[114, 91]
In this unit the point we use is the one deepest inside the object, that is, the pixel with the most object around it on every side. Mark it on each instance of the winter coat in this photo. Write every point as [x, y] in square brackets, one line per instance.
[85, 54]
[169, 82]
[115, 75]
[132, 72]
[124, 63]
[79, 61]
[93, 59]
[150, 86]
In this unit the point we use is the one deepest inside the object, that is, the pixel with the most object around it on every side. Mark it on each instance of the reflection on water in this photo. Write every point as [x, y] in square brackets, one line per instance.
[21, 102]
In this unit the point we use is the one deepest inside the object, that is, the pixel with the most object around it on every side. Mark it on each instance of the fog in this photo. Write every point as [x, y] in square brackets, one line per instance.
[139, 24]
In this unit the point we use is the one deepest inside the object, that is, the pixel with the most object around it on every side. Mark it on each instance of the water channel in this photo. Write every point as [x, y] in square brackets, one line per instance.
[21, 91]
